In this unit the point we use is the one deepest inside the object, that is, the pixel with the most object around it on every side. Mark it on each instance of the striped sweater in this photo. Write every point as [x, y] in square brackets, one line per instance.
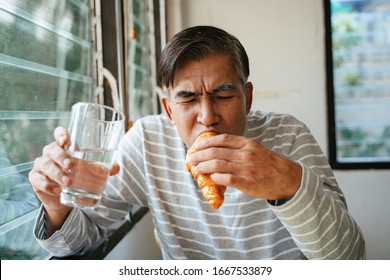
[314, 224]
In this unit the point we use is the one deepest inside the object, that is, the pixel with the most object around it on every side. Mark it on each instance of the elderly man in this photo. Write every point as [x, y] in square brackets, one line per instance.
[282, 200]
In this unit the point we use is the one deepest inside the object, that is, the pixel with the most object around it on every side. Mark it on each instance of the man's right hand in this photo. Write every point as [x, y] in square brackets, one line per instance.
[49, 173]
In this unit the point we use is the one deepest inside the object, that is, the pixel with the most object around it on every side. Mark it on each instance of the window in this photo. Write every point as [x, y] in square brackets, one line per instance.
[48, 61]
[141, 50]
[45, 67]
[358, 64]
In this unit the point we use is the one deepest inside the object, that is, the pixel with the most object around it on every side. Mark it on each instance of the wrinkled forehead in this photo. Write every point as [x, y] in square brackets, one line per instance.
[209, 73]
[225, 60]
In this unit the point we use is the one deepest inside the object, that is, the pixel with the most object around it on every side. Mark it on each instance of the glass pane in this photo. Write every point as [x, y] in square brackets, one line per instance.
[45, 66]
[138, 62]
[24, 138]
[16, 242]
[43, 42]
[54, 11]
[361, 79]
[24, 89]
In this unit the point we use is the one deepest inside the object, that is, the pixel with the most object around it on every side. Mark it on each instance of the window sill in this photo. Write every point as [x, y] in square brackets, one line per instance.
[103, 247]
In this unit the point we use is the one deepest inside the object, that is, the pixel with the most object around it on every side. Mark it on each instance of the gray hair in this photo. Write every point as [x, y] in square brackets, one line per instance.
[196, 43]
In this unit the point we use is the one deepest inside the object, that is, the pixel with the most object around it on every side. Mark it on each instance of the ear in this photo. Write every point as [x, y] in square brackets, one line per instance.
[249, 94]
[167, 108]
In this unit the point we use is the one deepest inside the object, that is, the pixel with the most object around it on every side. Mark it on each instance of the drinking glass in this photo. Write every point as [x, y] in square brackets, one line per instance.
[95, 131]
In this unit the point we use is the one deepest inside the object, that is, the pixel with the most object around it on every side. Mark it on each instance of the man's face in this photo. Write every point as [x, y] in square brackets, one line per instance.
[208, 95]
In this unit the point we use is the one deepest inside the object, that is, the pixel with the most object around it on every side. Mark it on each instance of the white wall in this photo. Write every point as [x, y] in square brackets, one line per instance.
[285, 43]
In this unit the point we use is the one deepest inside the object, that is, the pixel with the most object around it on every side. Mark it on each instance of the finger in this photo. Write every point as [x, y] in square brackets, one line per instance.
[221, 140]
[210, 154]
[41, 183]
[47, 191]
[220, 166]
[61, 136]
[48, 167]
[225, 179]
[57, 154]
[243, 184]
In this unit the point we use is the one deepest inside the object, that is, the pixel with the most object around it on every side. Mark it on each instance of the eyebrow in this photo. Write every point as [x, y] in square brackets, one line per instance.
[221, 88]
[184, 94]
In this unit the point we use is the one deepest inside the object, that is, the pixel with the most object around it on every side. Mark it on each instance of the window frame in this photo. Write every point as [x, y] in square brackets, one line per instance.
[51, 77]
[112, 59]
[332, 136]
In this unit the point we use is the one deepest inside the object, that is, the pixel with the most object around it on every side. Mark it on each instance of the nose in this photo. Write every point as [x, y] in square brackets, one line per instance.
[208, 114]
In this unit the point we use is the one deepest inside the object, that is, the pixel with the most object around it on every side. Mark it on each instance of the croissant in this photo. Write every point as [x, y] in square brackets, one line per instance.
[212, 192]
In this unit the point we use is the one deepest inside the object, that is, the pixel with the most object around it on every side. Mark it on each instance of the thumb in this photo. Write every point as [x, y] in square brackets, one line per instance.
[114, 169]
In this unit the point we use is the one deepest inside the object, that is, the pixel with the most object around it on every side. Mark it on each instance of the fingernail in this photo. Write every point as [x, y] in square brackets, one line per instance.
[67, 163]
[65, 180]
[57, 190]
[61, 139]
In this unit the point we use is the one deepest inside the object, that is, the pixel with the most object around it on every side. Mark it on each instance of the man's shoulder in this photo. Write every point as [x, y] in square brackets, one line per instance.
[266, 119]
[273, 129]
[154, 125]
[152, 121]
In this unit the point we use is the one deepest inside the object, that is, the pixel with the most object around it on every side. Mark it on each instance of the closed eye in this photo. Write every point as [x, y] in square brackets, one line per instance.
[184, 97]
[186, 100]
[223, 97]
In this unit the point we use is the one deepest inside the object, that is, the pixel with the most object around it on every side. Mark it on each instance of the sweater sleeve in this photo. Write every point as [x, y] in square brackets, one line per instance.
[60, 244]
[317, 216]
[80, 231]
[319, 222]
